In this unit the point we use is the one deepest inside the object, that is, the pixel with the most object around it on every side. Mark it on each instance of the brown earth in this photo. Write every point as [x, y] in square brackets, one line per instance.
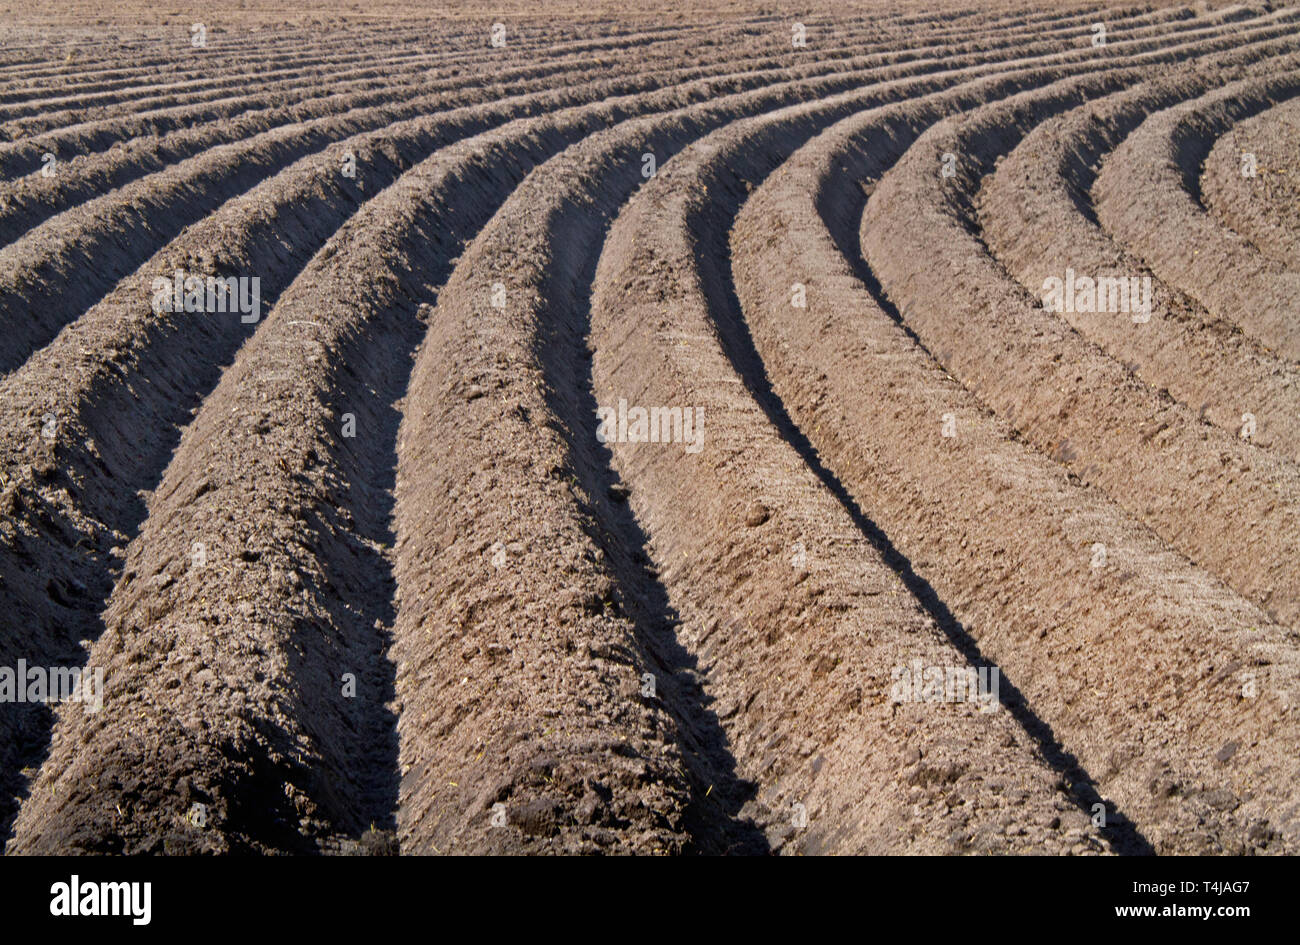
[382, 570]
[1263, 207]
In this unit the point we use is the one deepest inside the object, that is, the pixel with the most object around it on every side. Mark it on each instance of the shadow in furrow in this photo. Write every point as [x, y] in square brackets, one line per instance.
[364, 584]
[67, 283]
[841, 216]
[1194, 139]
[136, 428]
[79, 585]
[712, 256]
[714, 819]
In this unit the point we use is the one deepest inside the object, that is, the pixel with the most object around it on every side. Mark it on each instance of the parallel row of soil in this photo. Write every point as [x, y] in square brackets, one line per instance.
[376, 565]
[1249, 185]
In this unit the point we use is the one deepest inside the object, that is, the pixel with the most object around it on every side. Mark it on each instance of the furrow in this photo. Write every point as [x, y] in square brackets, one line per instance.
[1069, 399]
[67, 495]
[1249, 186]
[1174, 695]
[26, 156]
[298, 436]
[802, 629]
[114, 233]
[496, 387]
[145, 212]
[122, 376]
[52, 116]
[1036, 217]
[1151, 182]
[32, 200]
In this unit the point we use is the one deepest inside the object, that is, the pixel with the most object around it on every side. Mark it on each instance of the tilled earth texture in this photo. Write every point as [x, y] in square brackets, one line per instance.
[758, 428]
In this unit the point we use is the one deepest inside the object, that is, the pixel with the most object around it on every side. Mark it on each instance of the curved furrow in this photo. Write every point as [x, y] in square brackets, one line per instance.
[149, 210]
[167, 54]
[31, 200]
[1134, 659]
[671, 495]
[557, 41]
[1136, 18]
[1008, 36]
[804, 629]
[25, 156]
[149, 91]
[298, 436]
[167, 50]
[279, 50]
[1036, 218]
[158, 101]
[105, 414]
[309, 99]
[124, 374]
[125, 371]
[471, 404]
[49, 279]
[156, 95]
[485, 375]
[63, 266]
[384, 564]
[233, 42]
[1069, 399]
[271, 47]
[84, 133]
[51, 109]
[111, 389]
[1249, 187]
[1151, 182]
[77, 70]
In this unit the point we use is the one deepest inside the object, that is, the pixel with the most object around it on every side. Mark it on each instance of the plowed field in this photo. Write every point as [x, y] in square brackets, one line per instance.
[852, 429]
